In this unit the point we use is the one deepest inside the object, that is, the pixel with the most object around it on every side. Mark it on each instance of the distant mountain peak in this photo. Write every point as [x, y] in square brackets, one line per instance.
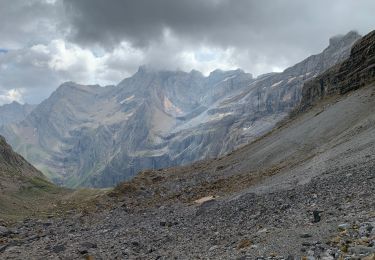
[349, 37]
[143, 69]
[14, 112]
[14, 103]
[70, 86]
[194, 71]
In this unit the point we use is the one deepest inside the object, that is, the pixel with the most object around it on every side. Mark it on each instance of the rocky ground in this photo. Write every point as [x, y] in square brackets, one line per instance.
[331, 217]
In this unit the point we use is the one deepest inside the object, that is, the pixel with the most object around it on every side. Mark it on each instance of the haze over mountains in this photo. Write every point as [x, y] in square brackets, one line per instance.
[98, 136]
[14, 112]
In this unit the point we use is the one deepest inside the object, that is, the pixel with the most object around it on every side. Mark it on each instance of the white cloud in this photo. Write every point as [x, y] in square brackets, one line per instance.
[39, 69]
[172, 53]
[11, 95]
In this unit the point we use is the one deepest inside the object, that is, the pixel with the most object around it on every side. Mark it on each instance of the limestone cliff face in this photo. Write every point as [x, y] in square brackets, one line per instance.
[355, 72]
[95, 136]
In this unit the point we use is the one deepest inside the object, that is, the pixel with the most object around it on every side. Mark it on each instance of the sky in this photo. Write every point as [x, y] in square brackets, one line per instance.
[44, 43]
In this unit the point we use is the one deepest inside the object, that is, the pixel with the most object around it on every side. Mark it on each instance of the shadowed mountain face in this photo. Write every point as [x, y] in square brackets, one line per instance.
[24, 190]
[16, 175]
[14, 166]
[95, 136]
[14, 112]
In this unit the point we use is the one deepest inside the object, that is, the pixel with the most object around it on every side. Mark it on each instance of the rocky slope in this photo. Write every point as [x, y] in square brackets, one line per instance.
[302, 191]
[13, 166]
[14, 112]
[94, 136]
[20, 184]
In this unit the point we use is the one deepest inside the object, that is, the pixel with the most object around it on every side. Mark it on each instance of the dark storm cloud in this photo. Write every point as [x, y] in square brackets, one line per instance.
[46, 42]
[264, 24]
[27, 22]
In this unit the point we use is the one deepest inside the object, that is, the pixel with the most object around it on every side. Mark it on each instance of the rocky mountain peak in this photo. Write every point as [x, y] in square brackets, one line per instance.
[70, 85]
[338, 40]
[220, 75]
[196, 73]
[14, 103]
[14, 112]
[356, 71]
[144, 69]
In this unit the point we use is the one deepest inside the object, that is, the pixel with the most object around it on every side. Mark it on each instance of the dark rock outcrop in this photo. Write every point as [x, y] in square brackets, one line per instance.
[355, 72]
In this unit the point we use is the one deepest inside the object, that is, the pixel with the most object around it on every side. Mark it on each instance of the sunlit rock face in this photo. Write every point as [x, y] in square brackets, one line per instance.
[99, 136]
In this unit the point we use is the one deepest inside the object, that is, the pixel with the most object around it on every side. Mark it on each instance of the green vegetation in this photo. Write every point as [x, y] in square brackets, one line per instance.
[40, 198]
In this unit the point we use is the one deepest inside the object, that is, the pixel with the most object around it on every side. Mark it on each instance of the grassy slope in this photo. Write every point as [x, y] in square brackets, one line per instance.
[39, 198]
[24, 191]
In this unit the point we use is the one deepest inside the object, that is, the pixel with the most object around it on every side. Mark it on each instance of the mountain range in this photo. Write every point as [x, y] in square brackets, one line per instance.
[98, 136]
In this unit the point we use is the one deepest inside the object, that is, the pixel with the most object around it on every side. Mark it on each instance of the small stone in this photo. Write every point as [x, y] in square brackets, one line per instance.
[316, 215]
[82, 251]
[135, 243]
[212, 248]
[2, 248]
[343, 227]
[305, 235]
[4, 231]
[88, 245]
[58, 248]
[47, 223]
[244, 243]
[263, 230]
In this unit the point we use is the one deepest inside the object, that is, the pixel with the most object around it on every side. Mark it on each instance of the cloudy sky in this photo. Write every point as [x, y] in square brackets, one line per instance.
[46, 42]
